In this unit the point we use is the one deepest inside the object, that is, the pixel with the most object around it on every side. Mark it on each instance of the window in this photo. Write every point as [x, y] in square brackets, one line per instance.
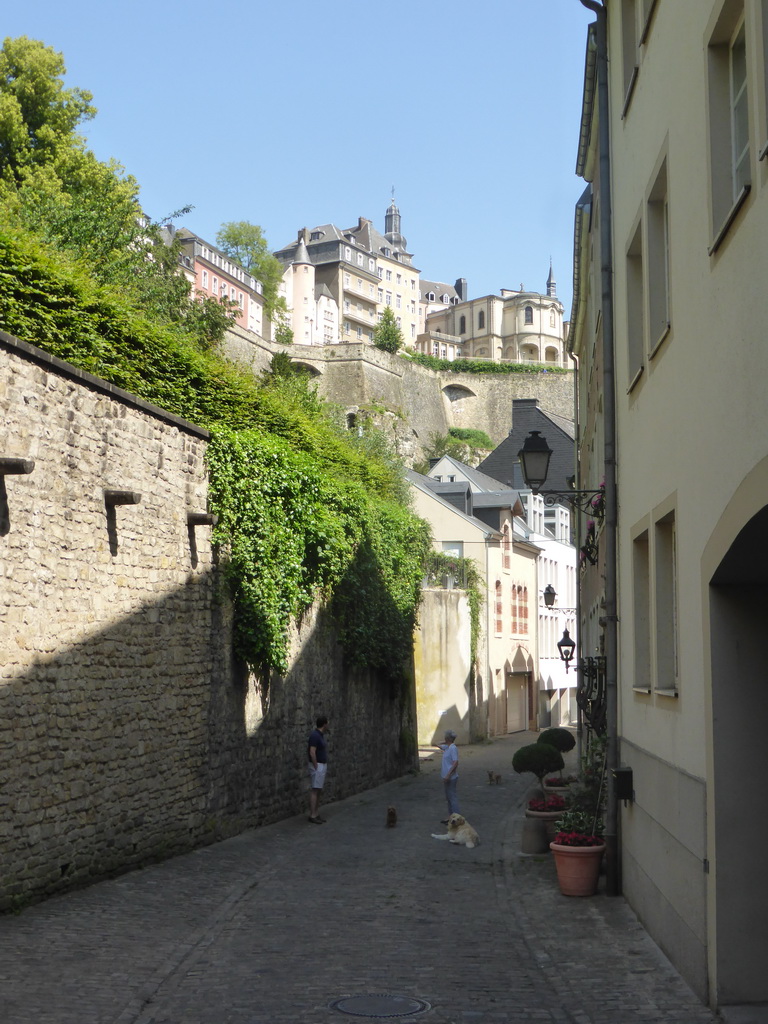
[499, 616]
[505, 547]
[430, 296]
[551, 318]
[381, 294]
[481, 320]
[528, 315]
[381, 272]
[413, 330]
[359, 259]
[347, 253]
[315, 236]
[205, 279]
[730, 154]
[389, 298]
[398, 302]
[641, 616]
[371, 265]
[359, 332]
[215, 284]
[658, 260]
[629, 45]
[455, 548]
[462, 325]
[399, 278]
[389, 275]
[666, 604]
[635, 321]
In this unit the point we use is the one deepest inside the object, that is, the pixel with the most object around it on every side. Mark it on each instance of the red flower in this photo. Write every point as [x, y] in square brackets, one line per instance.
[577, 839]
[552, 803]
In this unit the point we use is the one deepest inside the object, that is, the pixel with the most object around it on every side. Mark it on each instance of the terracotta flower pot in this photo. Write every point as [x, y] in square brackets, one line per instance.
[578, 868]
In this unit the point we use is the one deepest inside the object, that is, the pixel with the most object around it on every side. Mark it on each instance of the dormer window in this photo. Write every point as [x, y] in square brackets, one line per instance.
[444, 299]
[430, 296]
[386, 252]
[315, 236]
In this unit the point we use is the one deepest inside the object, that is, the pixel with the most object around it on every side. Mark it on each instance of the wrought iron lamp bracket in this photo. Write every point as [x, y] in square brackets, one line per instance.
[589, 502]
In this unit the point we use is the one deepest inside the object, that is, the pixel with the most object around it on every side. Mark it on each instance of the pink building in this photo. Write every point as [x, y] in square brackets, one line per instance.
[215, 275]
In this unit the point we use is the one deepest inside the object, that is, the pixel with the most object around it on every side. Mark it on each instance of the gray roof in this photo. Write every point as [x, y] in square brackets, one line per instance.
[439, 288]
[475, 476]
[527, 416]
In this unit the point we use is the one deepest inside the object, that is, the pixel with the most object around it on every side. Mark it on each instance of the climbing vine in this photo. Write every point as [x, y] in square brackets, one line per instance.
[306, 510]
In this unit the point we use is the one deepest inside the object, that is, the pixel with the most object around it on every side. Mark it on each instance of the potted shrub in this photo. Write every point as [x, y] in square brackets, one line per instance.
[578, 849]
[539, 759]
[562, 740]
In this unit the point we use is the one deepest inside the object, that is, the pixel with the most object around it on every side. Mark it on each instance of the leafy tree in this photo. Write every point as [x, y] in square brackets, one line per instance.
[38, 116]
[51, 184]
[245, 243]
[387, 335]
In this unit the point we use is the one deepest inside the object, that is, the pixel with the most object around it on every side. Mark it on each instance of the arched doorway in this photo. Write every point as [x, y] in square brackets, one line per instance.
[738, 612]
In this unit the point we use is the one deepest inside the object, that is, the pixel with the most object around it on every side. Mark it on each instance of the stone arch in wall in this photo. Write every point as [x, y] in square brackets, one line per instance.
[462, 403]
[529, 353]
[311, 368]
[552, 355]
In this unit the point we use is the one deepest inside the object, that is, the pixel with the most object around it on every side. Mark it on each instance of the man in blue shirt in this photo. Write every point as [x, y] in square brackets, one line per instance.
[317, 753]
[449, 772]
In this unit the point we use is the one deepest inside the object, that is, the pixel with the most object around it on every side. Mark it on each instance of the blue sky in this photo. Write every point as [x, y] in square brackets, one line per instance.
[302, 113]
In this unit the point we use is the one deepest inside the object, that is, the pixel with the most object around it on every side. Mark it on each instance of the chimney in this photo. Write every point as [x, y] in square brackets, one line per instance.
[461, 288]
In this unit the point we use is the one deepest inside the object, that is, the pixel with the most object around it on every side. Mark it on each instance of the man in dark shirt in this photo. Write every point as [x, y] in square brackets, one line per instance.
[317, 753]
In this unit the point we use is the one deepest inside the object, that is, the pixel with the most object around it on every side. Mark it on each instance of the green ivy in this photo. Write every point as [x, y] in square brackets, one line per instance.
[306, 510]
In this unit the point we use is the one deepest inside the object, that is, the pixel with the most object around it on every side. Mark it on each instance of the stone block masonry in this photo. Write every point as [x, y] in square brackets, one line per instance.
[128, 731]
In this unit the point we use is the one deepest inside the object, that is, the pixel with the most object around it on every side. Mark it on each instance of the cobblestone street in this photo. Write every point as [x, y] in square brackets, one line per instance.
[274, 926]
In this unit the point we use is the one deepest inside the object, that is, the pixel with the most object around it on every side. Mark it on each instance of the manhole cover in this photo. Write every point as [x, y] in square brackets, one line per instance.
[380, 1006]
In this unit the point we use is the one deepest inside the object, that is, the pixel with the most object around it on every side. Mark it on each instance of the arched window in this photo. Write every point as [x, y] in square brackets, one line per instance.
[551, 318]
[529, 314]
[462, 325]
[481, 320]
[499, 617]
[505, 546]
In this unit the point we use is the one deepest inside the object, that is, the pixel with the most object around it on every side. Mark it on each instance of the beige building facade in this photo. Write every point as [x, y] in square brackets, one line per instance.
[677, 347]
[359, 270]
[497, 694]
[514, 326]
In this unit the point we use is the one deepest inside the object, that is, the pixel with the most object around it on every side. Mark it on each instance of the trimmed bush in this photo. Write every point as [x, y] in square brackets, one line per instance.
[561, 739]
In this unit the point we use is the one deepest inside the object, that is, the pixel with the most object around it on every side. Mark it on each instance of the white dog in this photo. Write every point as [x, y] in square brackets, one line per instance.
[460, 832]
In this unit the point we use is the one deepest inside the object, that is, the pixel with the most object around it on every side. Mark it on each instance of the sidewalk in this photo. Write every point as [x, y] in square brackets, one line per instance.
[276, 925]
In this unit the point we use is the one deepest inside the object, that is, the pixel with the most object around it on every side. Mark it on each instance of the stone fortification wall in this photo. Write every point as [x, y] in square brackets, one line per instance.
[127, 730]
[410, 401]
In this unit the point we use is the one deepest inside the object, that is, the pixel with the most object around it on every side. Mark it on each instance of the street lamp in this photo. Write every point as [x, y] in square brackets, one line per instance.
[534, 459]
[566, 646]
[549, 595]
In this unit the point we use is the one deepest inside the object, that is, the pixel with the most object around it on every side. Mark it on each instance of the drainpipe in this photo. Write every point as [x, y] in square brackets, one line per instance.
[610, 619]
[577, 442]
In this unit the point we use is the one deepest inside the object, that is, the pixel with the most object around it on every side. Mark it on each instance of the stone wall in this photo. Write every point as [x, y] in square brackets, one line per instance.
[127, 730]
[409, 401]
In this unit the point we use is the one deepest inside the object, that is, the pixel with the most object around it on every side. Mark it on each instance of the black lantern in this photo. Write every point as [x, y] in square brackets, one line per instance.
[549, 595]
[566, 646]
[534, 459]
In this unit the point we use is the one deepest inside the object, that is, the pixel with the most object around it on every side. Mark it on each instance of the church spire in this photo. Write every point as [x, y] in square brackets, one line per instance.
[392, 226]
[551, 285]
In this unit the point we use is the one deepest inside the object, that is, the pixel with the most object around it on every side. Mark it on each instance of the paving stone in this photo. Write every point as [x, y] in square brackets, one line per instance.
[276, 925]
